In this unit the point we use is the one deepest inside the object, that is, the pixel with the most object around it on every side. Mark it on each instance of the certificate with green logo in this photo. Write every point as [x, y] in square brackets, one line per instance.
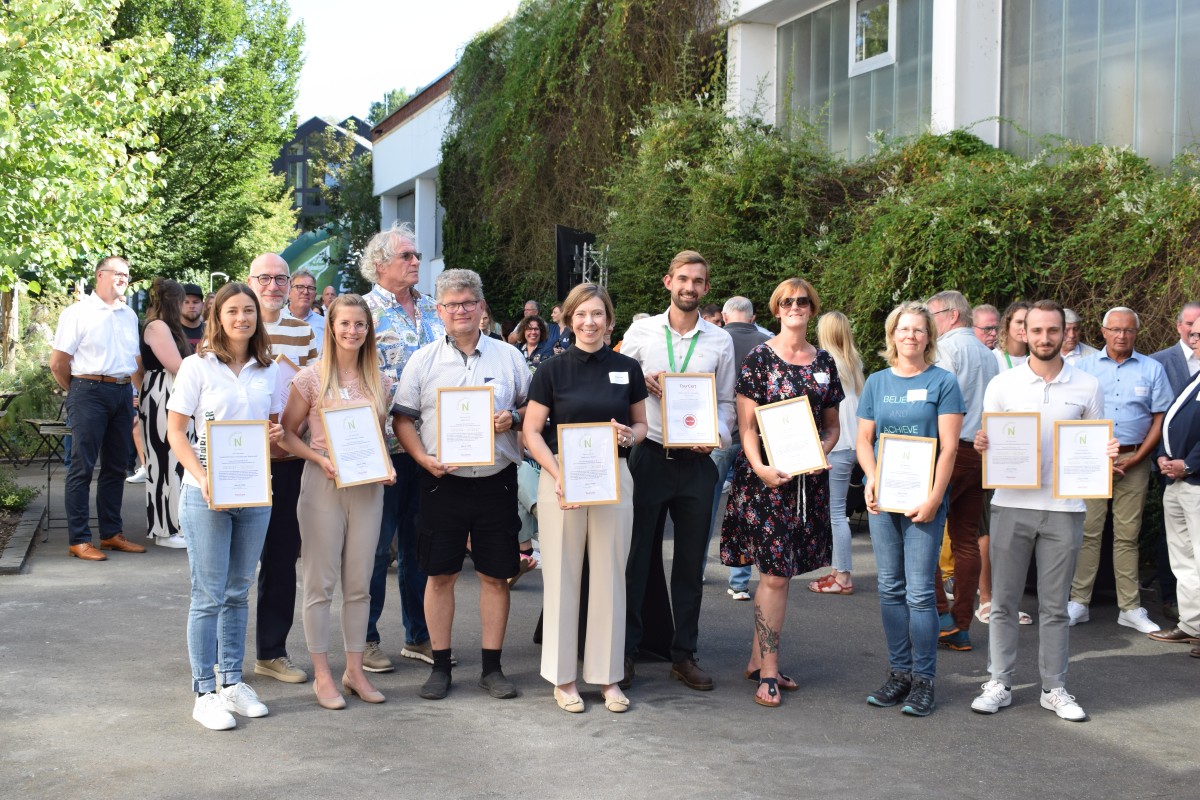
[789, 434]
[1013, 459]
[356, 446]
[904, 471]
[466, 435]
[1082, 468]
[587, 463]
[239, 464]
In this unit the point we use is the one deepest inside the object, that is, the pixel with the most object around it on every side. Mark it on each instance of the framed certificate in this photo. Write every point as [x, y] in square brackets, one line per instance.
[356, 445]
[1013, 459]
[239, 464]
[1082, 468]
[790, 437]
[283, 380]
[689, 409]
[904, 471]
[587, 462]
[466, 435]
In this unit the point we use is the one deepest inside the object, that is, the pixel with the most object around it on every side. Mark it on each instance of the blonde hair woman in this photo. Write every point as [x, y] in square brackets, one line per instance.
[339, 528]
[835, 337]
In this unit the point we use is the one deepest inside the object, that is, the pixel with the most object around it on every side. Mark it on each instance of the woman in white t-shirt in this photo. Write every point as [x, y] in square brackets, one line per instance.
[232, 377]
[339, 528]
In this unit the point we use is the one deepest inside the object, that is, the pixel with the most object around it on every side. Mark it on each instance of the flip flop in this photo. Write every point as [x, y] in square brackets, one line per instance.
[829, 585]
[1024, 618]
[789, 685]
[772, 692]
[984, 612]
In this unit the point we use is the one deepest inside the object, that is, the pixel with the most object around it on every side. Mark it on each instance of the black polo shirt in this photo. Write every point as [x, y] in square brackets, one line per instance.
[579, 386]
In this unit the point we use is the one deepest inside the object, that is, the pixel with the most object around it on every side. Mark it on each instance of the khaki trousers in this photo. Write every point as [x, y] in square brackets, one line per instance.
[339, 531]
[1129, 496]
[1181, 513]
[604, 533]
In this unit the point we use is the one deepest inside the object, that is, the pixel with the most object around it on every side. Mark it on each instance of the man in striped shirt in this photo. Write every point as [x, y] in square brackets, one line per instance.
[291, 337]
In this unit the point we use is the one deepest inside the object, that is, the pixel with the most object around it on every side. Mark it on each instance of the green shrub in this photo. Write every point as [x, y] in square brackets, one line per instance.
[14, 497]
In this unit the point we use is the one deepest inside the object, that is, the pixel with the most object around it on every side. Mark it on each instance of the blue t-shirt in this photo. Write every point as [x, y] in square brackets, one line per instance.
[909, 406]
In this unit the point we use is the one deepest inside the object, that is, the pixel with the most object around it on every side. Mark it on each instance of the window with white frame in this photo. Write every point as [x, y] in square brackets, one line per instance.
[872, 35]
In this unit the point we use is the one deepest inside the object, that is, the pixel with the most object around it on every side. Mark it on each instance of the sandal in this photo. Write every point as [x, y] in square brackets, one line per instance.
[527, 564]
[772, 692]
[786, 683]
[829, 585]
[1024, 619]
[984, 612]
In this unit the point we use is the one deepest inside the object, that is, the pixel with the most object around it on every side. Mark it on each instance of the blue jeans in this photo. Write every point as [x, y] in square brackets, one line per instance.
[399, 520]
[101, 429]
[739, 577]
[841, 464]
[906, 555]
[223, 549]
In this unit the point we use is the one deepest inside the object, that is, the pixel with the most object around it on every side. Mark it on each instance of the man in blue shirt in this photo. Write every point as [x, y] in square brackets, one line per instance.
[1136, 395]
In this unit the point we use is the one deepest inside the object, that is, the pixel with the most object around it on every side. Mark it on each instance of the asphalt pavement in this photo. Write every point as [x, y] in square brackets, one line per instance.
[95, 702]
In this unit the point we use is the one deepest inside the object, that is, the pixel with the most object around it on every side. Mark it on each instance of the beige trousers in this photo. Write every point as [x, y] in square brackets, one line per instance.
[339, 530]
[1181, 513]
[1129, 496]
[603, 532]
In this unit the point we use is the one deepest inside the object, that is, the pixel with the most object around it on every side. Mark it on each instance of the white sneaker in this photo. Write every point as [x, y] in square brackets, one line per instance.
[995, 697]
[137, 477]
[1077, 612]
[1063, 704]
[210, 712]
[1137, 618]
[176, 541]
[738, 594]
[242, 699]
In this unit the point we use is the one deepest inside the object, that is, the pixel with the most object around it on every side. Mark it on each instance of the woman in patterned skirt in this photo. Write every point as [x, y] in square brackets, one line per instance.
[776, 521]
[164, 346]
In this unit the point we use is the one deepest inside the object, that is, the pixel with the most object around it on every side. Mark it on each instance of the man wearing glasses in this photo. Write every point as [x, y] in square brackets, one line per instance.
[985, 321]
[95, 354]
[301, 299]
[1136, 395]
[269, 278]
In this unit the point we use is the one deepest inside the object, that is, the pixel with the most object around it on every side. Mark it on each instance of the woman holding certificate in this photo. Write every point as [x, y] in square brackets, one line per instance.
[917, 409]
[231, 379]
[776, 519]
[339, 527]
[594, 401]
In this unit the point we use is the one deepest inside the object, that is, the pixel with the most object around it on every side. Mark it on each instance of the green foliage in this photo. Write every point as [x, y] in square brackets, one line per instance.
[78, 153]
[269, 229]
[381, 109]
[349, 193]
[543, 107]
[217, 192]
[13, 496]
[1090, 226]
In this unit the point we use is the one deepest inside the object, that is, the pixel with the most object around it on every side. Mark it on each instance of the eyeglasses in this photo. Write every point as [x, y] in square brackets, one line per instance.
[1194, 337]
[118, 276]
[405, 255]
[799, 302]
[943, 311]
[265, 280]
[988, 328]
[1122, 331]
[902, 332]
[466, 305]
[299, 287]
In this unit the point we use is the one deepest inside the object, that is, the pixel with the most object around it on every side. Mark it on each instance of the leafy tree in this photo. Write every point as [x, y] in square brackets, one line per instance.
[350, 195]
[78, 151]
[381, 109]
[216, 184]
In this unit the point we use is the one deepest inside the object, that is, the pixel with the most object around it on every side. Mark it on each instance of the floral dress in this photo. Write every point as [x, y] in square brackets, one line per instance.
[784, 531]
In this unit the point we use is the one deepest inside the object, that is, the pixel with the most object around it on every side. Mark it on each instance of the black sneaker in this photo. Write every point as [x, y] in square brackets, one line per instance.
[920, 699]
[498, 686]
[894, 690]
[437, 686]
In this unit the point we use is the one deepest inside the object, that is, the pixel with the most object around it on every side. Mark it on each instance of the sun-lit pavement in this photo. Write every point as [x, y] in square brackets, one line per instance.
[95, 701]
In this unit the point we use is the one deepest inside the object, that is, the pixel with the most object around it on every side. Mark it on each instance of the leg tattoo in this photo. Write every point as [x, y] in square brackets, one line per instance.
[768, 640]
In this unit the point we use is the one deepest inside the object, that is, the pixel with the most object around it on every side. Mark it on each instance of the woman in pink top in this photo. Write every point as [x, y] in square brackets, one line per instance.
[339, 528]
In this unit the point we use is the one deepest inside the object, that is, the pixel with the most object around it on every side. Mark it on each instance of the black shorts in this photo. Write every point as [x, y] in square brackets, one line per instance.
[483, 509]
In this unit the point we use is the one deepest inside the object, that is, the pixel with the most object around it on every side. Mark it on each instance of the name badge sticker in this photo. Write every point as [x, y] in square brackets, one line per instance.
[1141, 391]
[821, 377]
[618, 377]
[918, 395]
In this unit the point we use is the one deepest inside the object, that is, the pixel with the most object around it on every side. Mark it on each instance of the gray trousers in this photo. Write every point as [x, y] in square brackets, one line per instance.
[1018, 533]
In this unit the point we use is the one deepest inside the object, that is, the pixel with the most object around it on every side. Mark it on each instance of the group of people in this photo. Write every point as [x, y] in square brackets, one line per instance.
[395, 348]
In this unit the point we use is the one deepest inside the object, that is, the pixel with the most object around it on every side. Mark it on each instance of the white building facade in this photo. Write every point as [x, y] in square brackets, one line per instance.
[1009, 71]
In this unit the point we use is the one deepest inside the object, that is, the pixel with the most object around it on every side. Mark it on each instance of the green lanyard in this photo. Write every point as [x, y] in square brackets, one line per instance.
[671, 350]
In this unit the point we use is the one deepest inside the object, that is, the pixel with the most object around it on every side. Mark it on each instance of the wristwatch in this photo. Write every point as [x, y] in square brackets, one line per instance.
[516, 415]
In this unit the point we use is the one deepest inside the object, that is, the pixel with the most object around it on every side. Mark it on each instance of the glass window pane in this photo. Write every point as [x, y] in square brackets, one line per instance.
[1115, 106]
[870, 29]
[1187, 122]
[833, 22]
[1156, 80]
[783, 71]
[1014, 75]
[883, 90]
[802, 69]
[1046, 68]
[1079, 90]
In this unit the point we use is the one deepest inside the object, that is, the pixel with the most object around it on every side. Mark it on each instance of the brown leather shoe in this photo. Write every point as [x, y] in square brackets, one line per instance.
[627, 680]
[1194, 652]
[1176, 634]
[119, 542]
[85, 551]
[692, 676]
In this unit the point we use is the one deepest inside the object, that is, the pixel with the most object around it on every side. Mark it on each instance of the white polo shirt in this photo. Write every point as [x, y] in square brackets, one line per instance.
[1073, 394]
[101, 339]
[646, 343]
[205, 389]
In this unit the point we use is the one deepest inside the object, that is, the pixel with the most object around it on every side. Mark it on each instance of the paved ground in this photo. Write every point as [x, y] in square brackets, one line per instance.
[95, 702]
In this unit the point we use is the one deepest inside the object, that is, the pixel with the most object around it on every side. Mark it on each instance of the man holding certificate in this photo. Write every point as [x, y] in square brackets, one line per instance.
[467, 391]
[1028, 521]
[667, 470]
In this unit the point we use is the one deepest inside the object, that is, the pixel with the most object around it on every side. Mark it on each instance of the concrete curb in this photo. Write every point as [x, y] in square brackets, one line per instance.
[20, 546]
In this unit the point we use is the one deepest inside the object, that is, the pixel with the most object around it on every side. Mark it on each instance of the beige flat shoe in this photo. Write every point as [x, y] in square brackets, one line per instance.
[617, 705]
[571, 703]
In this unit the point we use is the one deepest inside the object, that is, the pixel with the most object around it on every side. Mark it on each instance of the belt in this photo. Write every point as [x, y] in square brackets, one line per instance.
[103, 378]
[672, 453]
[1128, 448]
